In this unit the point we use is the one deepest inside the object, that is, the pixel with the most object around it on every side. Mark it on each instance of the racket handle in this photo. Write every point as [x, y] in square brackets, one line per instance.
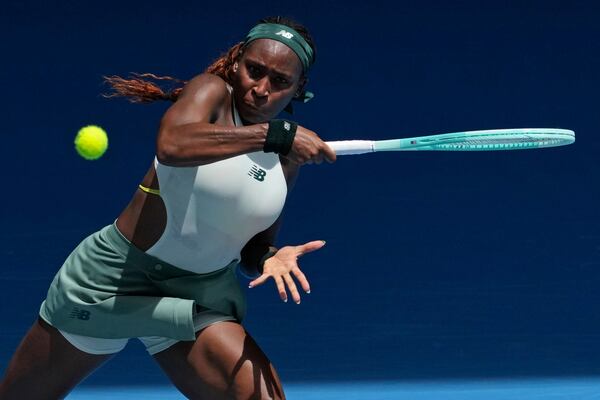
[348, 147]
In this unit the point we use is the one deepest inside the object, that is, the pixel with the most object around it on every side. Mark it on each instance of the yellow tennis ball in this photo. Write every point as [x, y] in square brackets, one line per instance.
[91, 142]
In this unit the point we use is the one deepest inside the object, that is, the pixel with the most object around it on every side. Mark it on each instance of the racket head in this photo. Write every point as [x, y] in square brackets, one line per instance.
[483, 140]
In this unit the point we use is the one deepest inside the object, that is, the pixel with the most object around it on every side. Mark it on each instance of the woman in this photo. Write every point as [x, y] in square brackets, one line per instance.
[164, 272]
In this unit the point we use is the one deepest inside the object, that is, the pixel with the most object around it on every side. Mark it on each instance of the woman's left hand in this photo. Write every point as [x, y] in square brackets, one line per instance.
[282, 265]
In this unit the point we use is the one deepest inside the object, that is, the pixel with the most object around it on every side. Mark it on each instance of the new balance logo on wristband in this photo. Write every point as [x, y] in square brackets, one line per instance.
[80, 314]
[285, 34]
[257, 173]
[280, 136]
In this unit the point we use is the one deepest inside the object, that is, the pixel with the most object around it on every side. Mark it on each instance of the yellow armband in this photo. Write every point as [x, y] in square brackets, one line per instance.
[150, 190]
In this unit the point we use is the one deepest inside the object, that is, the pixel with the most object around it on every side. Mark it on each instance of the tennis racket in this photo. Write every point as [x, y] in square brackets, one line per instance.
[488, 140]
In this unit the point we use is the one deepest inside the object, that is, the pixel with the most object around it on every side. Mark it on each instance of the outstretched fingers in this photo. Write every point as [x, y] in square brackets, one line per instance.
[280, 288]
[259, 281]
[309, 247]
[283, 268]
[291, 285]
[301, 278]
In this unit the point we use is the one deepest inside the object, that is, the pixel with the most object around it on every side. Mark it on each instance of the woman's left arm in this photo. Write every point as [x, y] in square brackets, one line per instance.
[260, 256]
[258, 248]
[263, 243]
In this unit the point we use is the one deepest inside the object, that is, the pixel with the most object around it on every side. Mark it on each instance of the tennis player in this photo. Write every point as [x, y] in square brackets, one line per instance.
[164, 272]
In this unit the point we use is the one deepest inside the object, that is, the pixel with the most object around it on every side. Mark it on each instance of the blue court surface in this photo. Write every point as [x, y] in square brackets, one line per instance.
[534, 389]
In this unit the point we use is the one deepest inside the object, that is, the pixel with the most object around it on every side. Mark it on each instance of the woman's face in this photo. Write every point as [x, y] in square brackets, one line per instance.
[267, 76]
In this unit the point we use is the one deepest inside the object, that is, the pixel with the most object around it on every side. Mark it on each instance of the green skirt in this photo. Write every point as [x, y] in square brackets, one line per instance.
[108, 288]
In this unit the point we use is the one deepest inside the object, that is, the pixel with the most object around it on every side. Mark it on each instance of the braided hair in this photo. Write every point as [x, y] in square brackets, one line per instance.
[142, 88]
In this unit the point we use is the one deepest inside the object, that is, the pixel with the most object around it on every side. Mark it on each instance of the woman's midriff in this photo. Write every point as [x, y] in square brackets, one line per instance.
[144, 219]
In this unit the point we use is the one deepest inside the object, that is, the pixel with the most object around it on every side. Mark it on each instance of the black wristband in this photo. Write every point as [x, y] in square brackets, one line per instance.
[280, 136]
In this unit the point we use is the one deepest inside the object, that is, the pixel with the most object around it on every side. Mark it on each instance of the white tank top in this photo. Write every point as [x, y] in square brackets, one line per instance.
[213, 210]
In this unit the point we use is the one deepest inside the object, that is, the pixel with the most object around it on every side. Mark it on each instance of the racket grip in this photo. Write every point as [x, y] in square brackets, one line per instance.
[348, 147]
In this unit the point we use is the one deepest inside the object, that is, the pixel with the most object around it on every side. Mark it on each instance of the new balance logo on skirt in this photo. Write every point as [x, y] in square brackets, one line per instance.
[80, 314]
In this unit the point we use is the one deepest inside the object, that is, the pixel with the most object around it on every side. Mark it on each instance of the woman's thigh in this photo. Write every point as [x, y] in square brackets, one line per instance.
[223, 363]
[46, 366]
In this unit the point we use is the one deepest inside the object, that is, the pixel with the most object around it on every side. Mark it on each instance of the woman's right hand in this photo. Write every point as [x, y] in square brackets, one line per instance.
[308, 148]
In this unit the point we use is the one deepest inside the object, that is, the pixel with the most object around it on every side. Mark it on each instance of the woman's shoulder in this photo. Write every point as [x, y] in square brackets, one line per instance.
[204, 98]
[204, 84]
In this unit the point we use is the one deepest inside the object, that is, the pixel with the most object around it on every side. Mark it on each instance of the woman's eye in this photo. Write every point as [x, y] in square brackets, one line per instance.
[253, 70]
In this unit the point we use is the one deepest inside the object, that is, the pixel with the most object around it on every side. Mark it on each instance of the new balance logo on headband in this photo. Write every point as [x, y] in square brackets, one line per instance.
[285, 34]
[257, 173]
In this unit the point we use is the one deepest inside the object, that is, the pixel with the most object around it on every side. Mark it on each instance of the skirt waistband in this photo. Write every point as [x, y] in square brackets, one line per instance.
[145, 261]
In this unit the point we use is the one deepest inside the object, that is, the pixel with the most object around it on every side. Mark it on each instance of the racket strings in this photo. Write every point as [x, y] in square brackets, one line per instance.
[502, 142]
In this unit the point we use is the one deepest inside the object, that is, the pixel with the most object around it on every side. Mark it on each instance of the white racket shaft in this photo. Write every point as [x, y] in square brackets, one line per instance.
[348, 147]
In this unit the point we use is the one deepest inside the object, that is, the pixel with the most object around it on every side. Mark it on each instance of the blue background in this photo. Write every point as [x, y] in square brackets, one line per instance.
[437, 265]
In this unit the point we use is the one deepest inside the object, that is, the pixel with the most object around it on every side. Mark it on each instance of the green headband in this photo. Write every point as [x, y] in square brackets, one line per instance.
[287, 36]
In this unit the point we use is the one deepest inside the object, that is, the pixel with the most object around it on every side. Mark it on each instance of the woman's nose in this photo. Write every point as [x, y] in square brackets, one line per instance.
[263, 87]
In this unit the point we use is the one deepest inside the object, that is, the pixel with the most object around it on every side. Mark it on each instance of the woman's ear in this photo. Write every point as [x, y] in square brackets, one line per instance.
[300, 91]
[236, 58]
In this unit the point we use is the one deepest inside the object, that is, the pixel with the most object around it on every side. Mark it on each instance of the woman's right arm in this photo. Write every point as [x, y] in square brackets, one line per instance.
[188, 135]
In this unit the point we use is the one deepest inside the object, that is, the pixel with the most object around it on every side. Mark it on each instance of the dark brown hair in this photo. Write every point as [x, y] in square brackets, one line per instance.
[141, 88]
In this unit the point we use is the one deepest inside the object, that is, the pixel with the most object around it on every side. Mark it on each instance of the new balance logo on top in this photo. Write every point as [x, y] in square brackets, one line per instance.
[285, 34]
[257, 173]
[80, 314]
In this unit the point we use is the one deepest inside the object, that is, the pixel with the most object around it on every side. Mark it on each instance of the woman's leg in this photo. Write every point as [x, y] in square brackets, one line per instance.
[223, 363]
[46, 366]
